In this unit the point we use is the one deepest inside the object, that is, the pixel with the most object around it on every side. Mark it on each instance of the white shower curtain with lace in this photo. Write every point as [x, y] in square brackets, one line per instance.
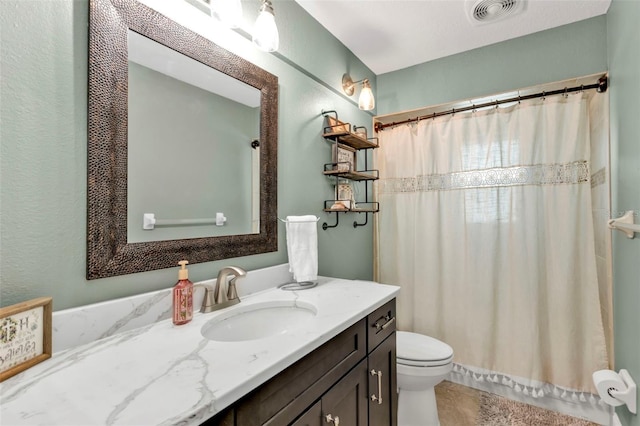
[485, 223]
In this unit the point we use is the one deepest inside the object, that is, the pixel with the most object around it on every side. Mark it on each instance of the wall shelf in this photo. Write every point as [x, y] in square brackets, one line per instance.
[354, 140]
[340, 134]
[350, 174]
[362, 207]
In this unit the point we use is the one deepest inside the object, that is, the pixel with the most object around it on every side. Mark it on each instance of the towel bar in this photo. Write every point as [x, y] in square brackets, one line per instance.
[149, 221]
[306, 221]
[625, 223]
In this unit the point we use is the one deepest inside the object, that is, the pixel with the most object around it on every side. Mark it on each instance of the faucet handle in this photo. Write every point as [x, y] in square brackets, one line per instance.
[207, 301]
[231, 291]
[237, 272]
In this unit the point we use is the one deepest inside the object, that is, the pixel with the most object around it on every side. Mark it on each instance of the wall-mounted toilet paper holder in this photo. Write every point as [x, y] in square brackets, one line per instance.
[616, 388]
[628, 396]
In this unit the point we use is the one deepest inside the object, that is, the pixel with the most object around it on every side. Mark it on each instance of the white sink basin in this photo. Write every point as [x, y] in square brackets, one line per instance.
[258, 320]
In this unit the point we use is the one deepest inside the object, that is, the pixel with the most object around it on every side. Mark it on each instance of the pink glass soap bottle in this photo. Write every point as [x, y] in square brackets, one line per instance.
[183, 296]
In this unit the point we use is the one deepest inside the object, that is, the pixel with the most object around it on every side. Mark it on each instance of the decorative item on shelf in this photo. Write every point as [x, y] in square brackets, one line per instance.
[344, 195]
[344, 158]
[338, 205]
[265, 31]
[366, 101]
[25, 335]
[333, 125]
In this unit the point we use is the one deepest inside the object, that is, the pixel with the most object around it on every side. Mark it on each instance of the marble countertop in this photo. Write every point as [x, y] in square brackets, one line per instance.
[166, 374]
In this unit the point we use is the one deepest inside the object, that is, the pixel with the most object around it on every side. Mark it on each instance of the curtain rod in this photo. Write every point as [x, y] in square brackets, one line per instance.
[600, 86]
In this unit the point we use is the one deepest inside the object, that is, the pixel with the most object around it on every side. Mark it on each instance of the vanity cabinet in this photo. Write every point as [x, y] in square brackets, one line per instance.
[344, 379]
[346, 403]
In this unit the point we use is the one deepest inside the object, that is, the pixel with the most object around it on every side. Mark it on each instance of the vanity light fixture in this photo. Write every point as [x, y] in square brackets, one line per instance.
[227, 12]
[366, 101]
[265, 31]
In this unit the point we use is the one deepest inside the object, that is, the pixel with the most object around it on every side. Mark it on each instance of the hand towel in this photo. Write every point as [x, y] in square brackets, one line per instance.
[302, 247]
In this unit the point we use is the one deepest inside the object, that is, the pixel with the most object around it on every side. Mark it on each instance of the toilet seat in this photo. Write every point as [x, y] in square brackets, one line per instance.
[418, 350]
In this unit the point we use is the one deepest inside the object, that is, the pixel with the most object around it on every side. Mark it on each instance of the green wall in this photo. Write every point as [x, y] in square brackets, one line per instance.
[44, 147]
[560, 53]
[623, 50]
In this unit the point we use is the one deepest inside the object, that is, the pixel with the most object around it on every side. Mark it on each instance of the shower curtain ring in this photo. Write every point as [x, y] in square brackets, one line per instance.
[434, 116]
[496, 104]
[566, 95]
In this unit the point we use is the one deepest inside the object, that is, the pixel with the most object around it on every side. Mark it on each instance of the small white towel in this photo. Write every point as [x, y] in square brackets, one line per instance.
[302, 247]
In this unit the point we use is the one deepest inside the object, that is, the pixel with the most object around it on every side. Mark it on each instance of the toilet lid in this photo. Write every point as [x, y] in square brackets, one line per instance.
[420, 350]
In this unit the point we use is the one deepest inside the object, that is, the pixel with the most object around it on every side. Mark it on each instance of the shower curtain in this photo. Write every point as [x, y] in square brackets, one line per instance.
[485, 223]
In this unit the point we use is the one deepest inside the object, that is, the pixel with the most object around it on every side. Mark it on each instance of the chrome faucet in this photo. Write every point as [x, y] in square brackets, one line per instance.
[220, 299]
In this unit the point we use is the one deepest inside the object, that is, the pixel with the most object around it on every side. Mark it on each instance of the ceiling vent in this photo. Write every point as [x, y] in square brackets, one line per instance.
[487, 11]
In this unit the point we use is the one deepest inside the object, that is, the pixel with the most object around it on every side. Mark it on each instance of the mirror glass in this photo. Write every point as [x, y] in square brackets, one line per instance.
[191, 151]
[171, 121]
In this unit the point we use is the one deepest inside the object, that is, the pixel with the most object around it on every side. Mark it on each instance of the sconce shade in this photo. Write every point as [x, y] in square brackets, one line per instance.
[366, 101]
[228, 12]
[265, 31]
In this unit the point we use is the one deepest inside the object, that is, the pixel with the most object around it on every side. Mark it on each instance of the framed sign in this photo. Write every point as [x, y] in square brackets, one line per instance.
[25, 335]
[344, 195]
[344, 158]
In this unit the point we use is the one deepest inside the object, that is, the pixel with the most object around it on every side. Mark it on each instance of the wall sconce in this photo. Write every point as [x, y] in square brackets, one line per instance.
[227, 12]
[366, 101]
[265, 31]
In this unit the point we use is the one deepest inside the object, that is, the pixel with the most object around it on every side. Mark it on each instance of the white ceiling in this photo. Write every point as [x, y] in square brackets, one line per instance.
[388, 35]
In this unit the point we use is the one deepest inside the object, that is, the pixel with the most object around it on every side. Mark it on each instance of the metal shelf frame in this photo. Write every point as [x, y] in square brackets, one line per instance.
[341, 132]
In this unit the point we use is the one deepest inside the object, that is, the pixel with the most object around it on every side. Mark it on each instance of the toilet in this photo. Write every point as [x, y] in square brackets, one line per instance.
[422, 362]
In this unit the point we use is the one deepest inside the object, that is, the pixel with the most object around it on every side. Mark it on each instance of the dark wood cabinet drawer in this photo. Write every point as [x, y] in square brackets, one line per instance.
[347, 402]
[283, 398]
[383, 388]
[380, 324]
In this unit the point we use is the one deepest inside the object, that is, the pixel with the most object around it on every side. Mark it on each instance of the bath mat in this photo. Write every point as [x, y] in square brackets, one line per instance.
[463, 406]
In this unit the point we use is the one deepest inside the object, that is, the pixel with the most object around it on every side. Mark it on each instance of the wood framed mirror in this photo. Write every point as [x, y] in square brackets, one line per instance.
[109, 253]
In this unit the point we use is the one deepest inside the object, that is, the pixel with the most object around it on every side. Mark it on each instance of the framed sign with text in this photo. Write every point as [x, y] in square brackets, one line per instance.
[25, 335]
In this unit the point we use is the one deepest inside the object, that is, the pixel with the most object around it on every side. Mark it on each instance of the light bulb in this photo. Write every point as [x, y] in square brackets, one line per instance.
[366, 101]
[228, 12]
[265, 31]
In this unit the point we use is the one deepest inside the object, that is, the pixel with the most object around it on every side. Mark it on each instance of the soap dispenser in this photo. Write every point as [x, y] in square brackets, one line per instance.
[183, 296]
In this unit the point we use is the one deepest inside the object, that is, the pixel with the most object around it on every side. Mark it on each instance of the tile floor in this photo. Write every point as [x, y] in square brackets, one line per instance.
[463, 406]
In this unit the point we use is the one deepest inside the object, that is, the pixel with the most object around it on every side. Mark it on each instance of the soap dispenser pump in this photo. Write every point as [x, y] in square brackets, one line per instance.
[183, 296]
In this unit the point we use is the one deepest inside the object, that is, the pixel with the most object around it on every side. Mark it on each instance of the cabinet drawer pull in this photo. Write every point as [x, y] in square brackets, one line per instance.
[373, 396]
[331, 419]
[388, 321]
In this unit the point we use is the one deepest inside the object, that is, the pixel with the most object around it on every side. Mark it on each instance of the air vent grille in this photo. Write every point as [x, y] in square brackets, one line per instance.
[485, 11]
